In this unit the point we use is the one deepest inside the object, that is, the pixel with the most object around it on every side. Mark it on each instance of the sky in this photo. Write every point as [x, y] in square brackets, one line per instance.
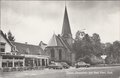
[35, 21]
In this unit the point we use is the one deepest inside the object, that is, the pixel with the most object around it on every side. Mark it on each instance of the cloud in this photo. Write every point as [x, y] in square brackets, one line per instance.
[33, 21]
[100, 17]
[41, 9]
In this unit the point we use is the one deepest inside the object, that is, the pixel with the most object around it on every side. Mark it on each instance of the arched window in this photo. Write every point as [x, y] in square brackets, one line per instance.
[52, 53]
[60, 54]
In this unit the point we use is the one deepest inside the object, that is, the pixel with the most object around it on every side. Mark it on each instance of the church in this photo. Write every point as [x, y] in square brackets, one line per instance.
[59, 47]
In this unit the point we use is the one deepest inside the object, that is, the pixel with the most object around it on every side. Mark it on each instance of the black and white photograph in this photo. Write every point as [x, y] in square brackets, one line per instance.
[59, 38]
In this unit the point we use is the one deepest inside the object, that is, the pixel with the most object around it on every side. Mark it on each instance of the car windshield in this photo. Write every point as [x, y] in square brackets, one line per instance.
[81, 63]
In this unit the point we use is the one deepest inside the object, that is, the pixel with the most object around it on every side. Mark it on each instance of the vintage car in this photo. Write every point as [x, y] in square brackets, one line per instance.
[82, 64]
[65, 65]
[55, 66]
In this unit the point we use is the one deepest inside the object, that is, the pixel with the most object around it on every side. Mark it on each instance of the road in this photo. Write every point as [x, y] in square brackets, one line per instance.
[91, 72]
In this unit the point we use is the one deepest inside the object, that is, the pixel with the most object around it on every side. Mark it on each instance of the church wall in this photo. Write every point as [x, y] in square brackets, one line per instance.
[56, 54]
[69, 56]
[73, 58]
[65, 55]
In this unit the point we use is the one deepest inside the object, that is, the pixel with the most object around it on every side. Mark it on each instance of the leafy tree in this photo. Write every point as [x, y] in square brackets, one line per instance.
[116, 47]
[96, 38]
[79, 35]
[91, 45]
[113, 52]
[86, 38]
[116, 52]
[77, 46]
[98, 47]
[10, 36]
[82, 45]
[87, 45]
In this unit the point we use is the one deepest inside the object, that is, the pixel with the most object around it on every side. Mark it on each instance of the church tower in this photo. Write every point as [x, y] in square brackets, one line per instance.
[59, 47]
[66, 30]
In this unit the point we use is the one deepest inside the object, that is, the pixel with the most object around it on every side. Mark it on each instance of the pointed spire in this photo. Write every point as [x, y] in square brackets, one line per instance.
[65, 3]
[66, 25]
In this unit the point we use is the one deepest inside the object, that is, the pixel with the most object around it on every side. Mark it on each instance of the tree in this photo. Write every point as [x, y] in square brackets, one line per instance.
[91, 45]
[116, 47]
[86, 38]
[77, 46]
[10, 36]
[96, 38]
[116, 52]
[113, 52]
[98, 46]
[82, 45]
[87, 45]
[79, 35]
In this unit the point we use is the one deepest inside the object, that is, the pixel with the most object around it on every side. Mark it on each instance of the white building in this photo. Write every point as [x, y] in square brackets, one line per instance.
[13, 54]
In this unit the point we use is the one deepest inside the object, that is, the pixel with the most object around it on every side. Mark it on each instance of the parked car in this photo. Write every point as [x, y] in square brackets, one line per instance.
[55, 66]
[65, 65]
[82, 64]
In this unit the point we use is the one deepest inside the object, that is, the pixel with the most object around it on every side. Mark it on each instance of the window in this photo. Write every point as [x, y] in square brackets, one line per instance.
[21, 64]
[52, 53]
[2, 47]
[16, 64]
[10, 64]
[38, 62]
[35, 62]
[60, 54]
[4, 64]
[2, 50]
[4, 57]
[2, 43]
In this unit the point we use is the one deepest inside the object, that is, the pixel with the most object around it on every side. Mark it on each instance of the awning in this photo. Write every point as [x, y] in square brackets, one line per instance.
[17, 56]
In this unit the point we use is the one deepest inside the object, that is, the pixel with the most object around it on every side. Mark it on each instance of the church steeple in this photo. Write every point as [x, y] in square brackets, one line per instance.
[66, 31]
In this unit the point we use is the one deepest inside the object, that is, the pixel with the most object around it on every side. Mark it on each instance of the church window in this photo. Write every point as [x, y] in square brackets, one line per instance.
[52, 53]
[60, 54]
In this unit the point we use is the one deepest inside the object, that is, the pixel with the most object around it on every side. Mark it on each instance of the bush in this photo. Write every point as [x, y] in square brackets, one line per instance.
[92, 60]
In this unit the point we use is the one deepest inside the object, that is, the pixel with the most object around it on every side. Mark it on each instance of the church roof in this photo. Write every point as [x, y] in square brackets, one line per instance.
[65, 43]
[66, 25]
[54, 41]
[28, 48]
[58, 41]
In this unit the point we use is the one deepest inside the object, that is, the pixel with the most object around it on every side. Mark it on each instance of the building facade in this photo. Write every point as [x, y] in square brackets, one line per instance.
[8, 57]
[34, 54]
[5, 44]
[20, 55]
[59, 47]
